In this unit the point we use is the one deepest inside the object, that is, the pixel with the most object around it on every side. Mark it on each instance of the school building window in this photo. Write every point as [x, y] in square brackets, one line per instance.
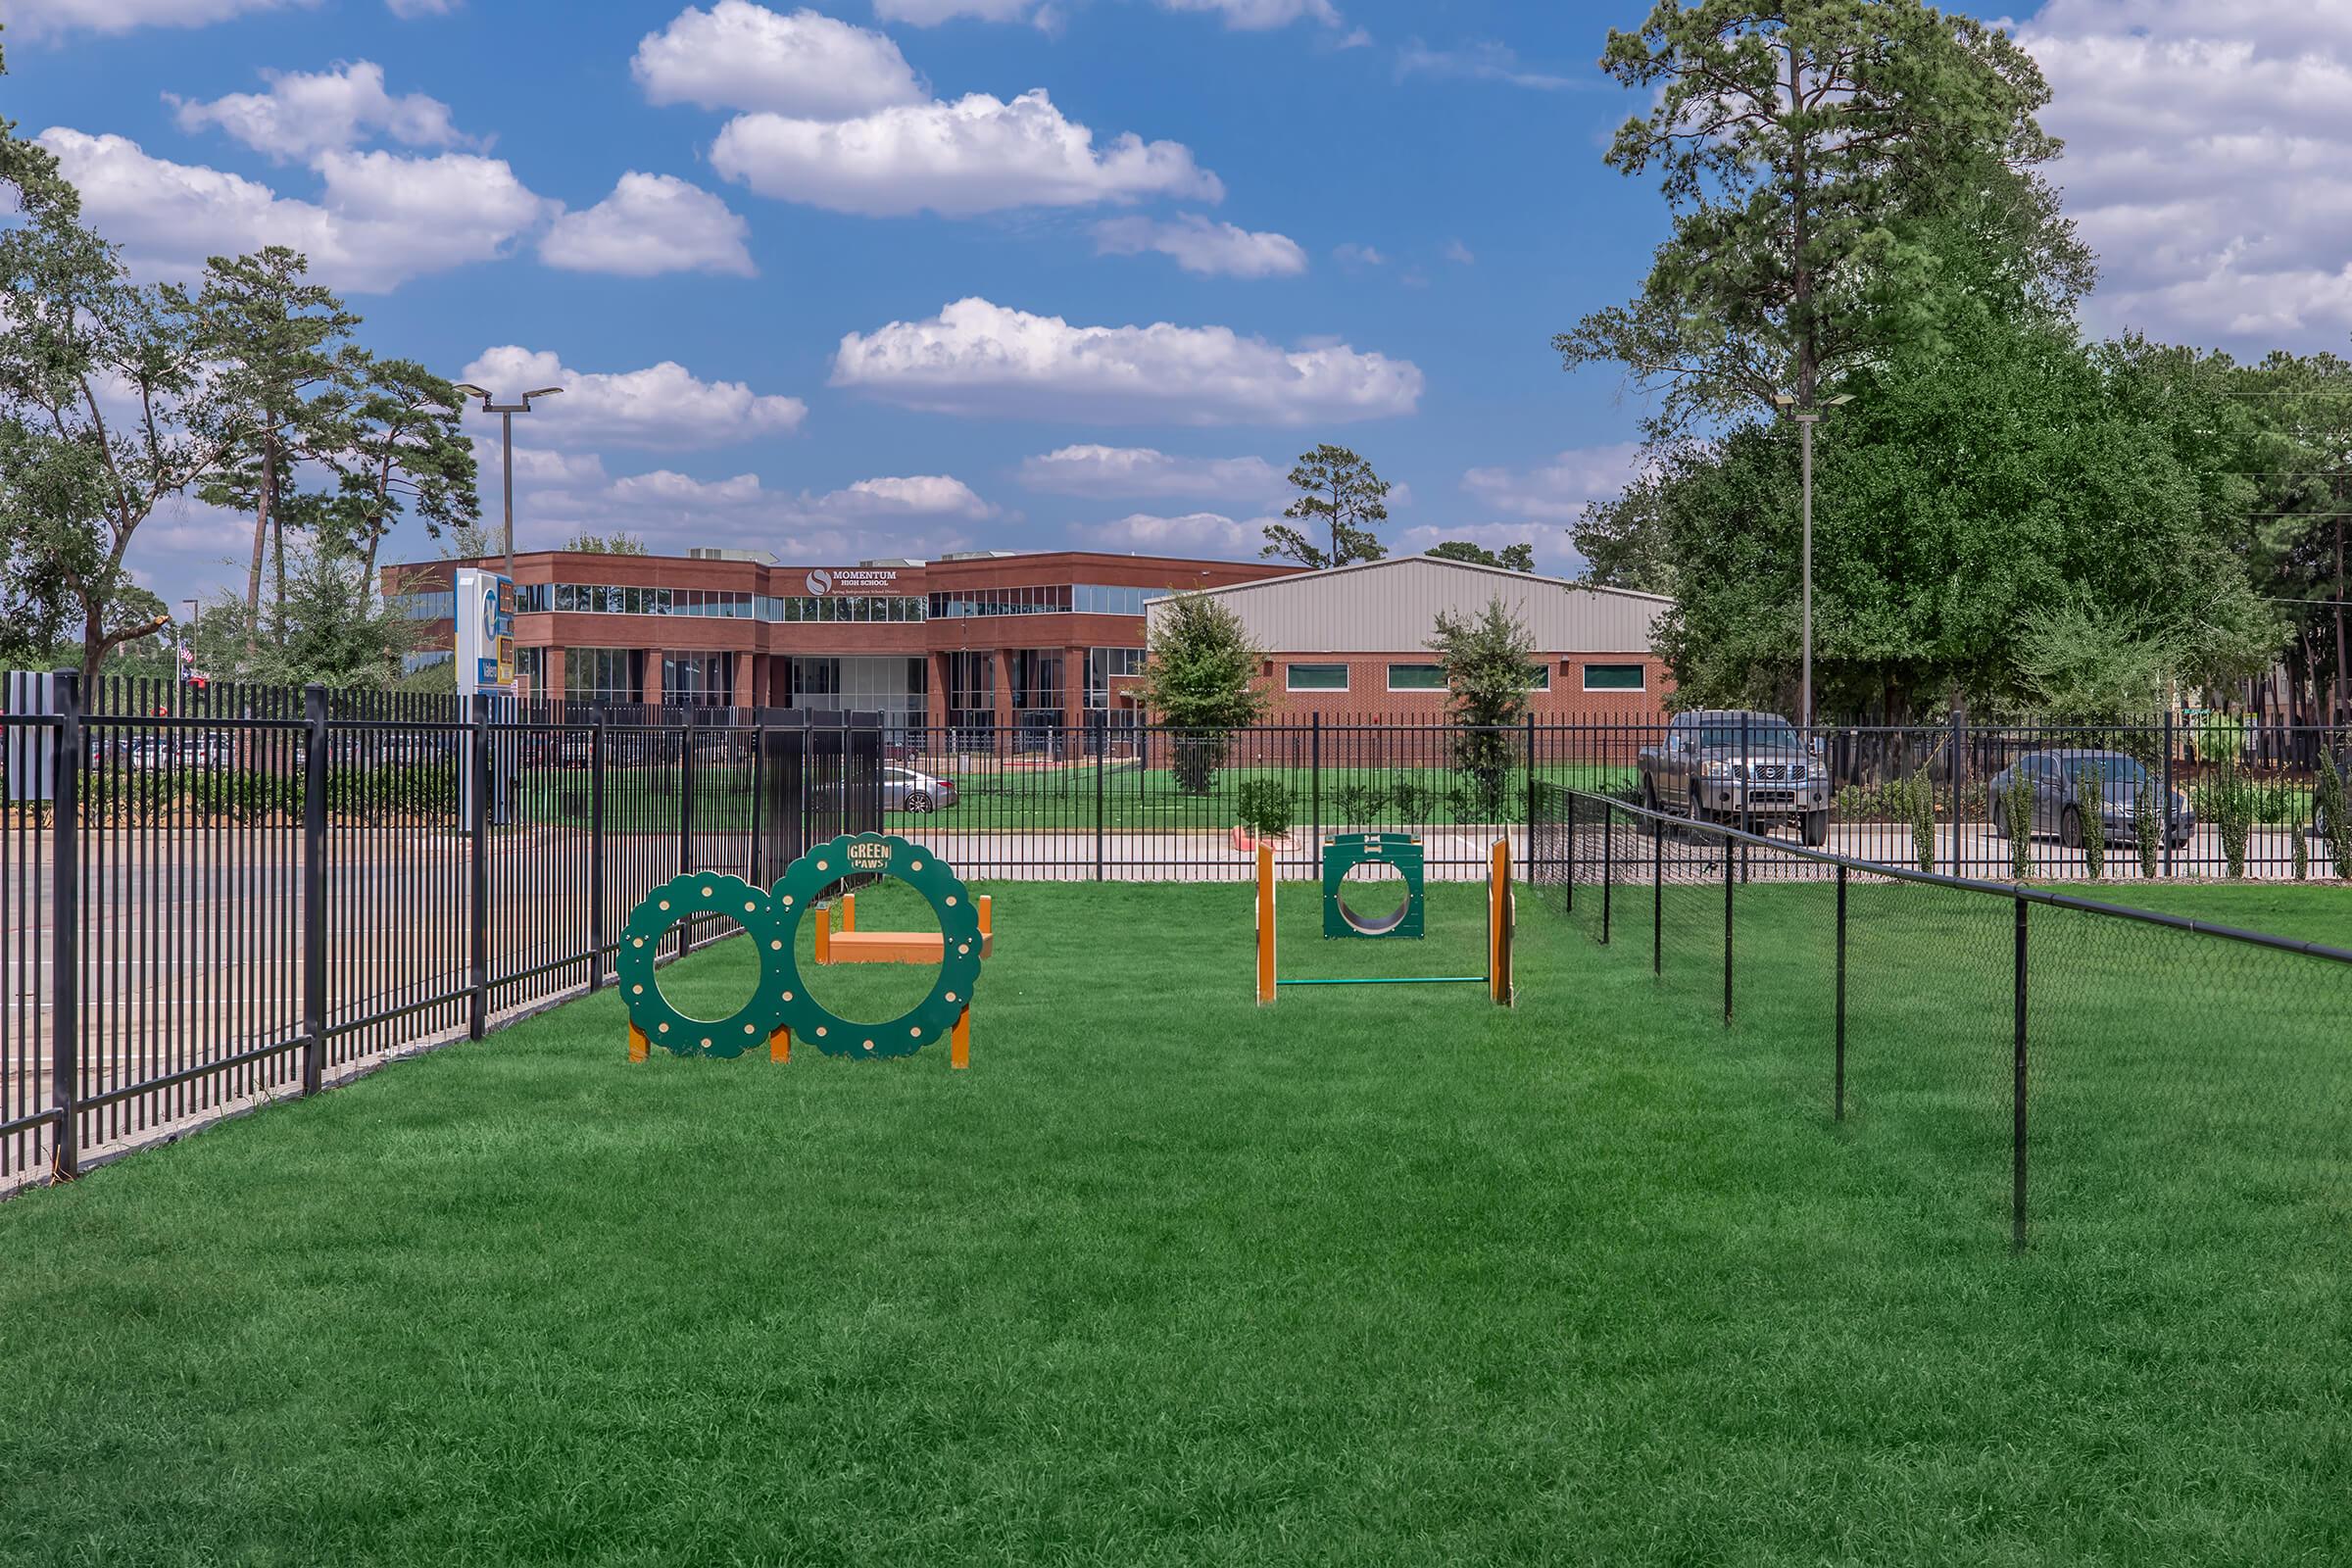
[1315, 678]
[1614, 679]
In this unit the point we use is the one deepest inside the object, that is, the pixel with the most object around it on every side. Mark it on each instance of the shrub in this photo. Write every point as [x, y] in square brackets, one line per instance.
[1478, 798]
[1263, 806]
[1488, 660]
[2090, 809]
[1361, 801]
[2149, 809]
[1923, 818]
[2232, 813]
[2340, 825]
[1411, 798]
[1200, 678]
[2019, 806]
[2302, 859]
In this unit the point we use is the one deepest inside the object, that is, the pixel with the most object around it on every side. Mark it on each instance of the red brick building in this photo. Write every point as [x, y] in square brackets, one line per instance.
[1023, 643]
[1354, 644]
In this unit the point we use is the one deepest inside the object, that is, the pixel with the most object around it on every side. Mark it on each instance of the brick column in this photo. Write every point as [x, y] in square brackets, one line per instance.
[551, 674]
[1001, 694]
[935, 697]
[747, 691]
[653, 677]
[1073, 691]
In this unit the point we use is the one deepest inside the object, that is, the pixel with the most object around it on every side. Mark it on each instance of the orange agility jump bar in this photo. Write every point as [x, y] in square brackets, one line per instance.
[850, 945]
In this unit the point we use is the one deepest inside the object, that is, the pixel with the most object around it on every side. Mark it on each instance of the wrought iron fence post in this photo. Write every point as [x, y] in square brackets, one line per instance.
[1315, 786]
[1658, 897]
[1726, 930]
[65, 917]
[596, 850]
[1841, 990]
[752, 858]
[478, 774]
[1608, 862]
[314, 888]
[2016, 1097]
[1744, 776]
[686, 794]
[1959, 774]
[1531, 783]
[1099, 719]
[1573, 800]
[2168, 791]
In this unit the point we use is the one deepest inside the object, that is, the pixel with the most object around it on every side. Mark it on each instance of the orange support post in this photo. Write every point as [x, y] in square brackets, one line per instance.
[959, 1042]
[824, 935]
[985, 927]
[1501, 910]
[848, 912]
[1265, 924]
[637, 1043]
[780, 1045]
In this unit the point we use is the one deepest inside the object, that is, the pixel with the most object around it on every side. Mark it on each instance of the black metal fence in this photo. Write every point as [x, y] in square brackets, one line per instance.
[2122, 1058]
[206, 910]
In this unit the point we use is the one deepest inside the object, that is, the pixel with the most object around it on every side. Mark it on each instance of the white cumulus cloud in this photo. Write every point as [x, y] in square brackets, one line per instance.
[39, 19]
[1558, 489]
[307, 113]
[2208, 161]
[651, 223]
[738, 55]
[1193, 533]
[1260, 15]
[411, 10]
[977, 357]
[382, 218]
[1482, 61]
[665, 406]
[1554, 555]
[916, 514]
[931, 12]
[1101, 470]
[976, 155]
[1202, 245]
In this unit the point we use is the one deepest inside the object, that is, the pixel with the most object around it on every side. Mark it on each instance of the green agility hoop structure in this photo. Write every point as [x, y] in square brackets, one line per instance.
[780, 1004]
[1501, 919]
[1342, 854]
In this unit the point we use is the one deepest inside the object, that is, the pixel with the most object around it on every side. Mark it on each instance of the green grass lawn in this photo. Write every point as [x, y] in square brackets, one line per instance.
[1379, 1275]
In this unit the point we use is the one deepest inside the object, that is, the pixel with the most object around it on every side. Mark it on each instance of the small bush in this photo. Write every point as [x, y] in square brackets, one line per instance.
[1478, 798]
[2019, 806]
[1923, 818]
[2090, 809]
[1263, 806]
[1359, 801]
[2233, 814]
[2148, 825]
[2302, 859]
[2339, 823]
[1412, 799]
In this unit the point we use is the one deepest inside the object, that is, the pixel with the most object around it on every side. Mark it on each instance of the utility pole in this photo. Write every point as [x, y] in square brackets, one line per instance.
[506, 412]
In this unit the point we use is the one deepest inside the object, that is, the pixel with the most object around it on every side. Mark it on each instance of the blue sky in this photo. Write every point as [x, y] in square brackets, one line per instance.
[813, 291]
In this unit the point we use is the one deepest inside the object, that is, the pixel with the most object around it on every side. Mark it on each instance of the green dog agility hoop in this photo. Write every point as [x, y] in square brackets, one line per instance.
[682, 898]
[881, 854]
[772, 919]
[1345, 851]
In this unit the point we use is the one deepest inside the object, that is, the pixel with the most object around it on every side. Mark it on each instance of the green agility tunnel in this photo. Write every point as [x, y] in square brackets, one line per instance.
[1342, 854]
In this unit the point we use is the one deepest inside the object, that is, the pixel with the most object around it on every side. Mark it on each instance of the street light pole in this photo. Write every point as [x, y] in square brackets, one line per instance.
[1806, 418]
[506, 412]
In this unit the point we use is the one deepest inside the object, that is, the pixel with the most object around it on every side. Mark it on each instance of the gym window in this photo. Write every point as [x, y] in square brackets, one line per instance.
[1615, 678]
[1316, 678]
[1416, 678]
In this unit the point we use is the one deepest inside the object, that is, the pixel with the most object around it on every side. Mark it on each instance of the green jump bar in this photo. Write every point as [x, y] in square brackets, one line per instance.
[1397, 980]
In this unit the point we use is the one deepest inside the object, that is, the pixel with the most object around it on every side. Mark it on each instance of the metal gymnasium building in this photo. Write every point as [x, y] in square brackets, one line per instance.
[1024, 644]
[1352, 645]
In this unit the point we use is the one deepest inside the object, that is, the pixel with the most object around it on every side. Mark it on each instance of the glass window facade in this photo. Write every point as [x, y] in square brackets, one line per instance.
[1104, 663]
[972, 691]
[1416, 678]
[1315, 678]
[1614, 679]
[604, 675]
[431, 605]
[1049, 599]
[698, 680]
[613, 599]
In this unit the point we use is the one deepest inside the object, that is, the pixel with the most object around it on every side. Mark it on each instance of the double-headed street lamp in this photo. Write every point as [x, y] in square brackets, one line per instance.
[1806, 418]
[506, 412]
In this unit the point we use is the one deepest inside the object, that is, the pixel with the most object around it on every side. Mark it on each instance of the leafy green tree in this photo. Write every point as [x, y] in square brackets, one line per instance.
[107, 406]
[1201, 677]
[282, 358]
[613, 544]
[1487, 660]
[1339, 495]
[1818, 157]
[400, 451]
[1512, 558]
[331, 627]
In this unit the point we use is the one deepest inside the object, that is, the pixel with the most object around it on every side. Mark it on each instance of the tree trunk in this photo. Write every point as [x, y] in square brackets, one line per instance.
[261, 539]
[93, 653]
[277, 545]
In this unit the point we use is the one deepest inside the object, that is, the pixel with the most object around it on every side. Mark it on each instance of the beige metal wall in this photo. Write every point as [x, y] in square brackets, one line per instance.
[1390, 604]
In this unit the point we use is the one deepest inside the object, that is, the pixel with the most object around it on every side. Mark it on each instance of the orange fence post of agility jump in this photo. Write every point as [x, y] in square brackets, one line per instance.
[1265, 923]
[1501, 912]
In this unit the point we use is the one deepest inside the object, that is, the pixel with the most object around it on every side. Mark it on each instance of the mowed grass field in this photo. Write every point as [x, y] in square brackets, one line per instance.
[1378, 1275]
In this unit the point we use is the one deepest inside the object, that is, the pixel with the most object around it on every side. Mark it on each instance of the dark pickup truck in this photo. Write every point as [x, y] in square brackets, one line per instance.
[1734, 767]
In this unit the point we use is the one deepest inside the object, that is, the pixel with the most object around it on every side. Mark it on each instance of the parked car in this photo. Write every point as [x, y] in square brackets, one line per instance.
[2054, 780]
[906, 789]
[1729, 765]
